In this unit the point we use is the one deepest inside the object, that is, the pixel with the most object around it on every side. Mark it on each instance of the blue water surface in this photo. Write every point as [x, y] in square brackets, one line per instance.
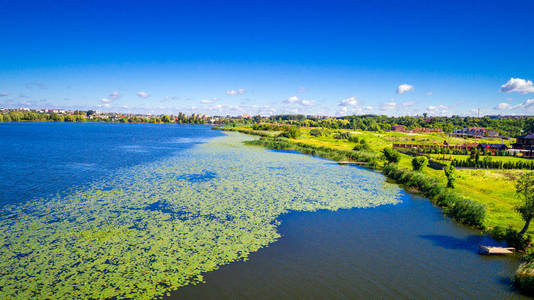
[42, 159]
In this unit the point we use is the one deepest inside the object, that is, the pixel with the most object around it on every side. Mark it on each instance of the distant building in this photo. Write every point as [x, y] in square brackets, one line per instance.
[402, 128]
[492, 147]
[475, 132]
[398, 128]
[525, 145]
[426, 130]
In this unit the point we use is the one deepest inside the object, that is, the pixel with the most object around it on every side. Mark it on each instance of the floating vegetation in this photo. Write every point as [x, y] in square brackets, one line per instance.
[153, 228]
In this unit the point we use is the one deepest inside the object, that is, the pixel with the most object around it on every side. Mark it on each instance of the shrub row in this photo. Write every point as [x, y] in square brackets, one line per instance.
[462, 210]
[488, 164]
[266, 126]
[446, 150]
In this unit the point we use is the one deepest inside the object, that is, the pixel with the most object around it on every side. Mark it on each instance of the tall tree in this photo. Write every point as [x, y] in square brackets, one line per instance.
[450, 173]
[525, 191]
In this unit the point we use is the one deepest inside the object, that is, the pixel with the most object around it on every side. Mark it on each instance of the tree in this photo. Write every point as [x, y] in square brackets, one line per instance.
[292, 132]
[392, 156]
[475, 155]
[165, 118]
[16, 116]
[419, 162]
[450, 173]
[525, 190]
[70, 118]
[316, 132]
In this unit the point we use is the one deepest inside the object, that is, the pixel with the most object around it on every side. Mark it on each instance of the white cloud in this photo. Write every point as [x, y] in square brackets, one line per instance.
[528, 105]
[292, 99]
[368, 108]
[3, 94]
[114, 95]
[403, 88]
[351, 101]
[104, 100]
[343, 111]
[296, 100]
[306, 102]
[349, 105]
[143, 94]
[106, 105]
[518, 85]
[388, 106]
[235, 92]
[429, 93]
[438, 109]
[207, 101]
[503, 105]
[301, 90]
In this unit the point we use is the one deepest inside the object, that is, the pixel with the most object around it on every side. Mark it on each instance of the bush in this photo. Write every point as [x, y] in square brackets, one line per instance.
[419, 162]
[362, 146]
[317, 132]
[292, 132]
[467, 212]
[342, 136]
[524, 279]
[450, 173]
[391, 155]
[353, 139]
[511, 237]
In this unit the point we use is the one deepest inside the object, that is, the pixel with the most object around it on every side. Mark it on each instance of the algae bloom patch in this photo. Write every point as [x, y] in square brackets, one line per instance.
[153, 228]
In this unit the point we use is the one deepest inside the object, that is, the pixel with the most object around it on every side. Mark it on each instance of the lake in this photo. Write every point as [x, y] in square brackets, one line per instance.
[139, 210]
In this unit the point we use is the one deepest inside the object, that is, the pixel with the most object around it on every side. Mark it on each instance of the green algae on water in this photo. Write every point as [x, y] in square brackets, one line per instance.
[156, 227]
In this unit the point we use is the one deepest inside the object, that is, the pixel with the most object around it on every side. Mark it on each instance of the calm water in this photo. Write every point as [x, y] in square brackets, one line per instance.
[407, 250]
[41, 159]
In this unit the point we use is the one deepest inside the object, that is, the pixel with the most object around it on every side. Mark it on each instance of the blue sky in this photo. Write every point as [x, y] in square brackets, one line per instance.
[269, 57]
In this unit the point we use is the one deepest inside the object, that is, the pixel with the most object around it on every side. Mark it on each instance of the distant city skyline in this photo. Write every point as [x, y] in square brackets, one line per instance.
[269, 57]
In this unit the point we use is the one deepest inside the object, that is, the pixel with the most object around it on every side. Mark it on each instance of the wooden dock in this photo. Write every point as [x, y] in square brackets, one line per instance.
[490, 250]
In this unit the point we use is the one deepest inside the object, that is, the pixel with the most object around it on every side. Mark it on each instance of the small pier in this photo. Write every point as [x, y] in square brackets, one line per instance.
[491, 250]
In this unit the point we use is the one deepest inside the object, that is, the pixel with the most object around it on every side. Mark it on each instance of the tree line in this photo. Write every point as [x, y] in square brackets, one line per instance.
[505, 126]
